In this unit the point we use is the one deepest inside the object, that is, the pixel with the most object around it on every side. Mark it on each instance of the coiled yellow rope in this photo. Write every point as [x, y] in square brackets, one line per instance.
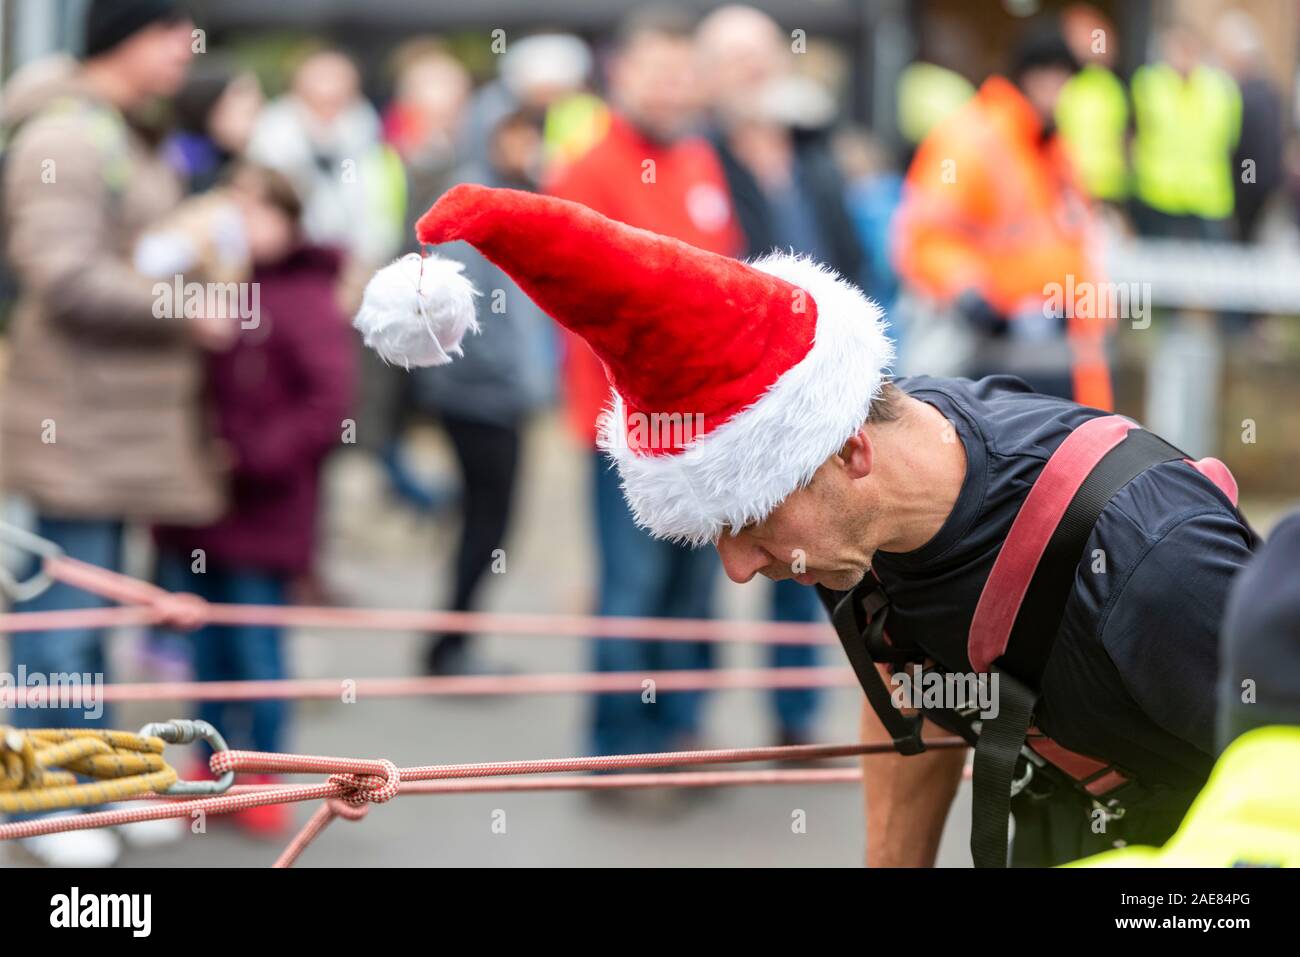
[38, 768]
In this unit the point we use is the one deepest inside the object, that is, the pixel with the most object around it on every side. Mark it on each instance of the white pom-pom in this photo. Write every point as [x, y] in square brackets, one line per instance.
[416, 311]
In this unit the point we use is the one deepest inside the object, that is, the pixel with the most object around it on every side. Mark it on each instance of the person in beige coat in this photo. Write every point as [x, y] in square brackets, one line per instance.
[100, 421]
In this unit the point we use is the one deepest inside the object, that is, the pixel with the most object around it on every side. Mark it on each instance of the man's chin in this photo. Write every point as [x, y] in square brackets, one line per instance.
[837, 580]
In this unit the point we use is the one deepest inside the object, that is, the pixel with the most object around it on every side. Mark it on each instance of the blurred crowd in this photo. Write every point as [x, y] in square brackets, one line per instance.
[140, 169]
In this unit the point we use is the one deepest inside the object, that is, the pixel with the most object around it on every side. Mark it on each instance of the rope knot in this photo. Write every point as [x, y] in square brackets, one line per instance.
[180, 610]
[369, 788]
[339, 807]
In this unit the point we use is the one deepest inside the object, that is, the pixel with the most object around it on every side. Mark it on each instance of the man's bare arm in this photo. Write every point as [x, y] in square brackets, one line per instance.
[907, 797]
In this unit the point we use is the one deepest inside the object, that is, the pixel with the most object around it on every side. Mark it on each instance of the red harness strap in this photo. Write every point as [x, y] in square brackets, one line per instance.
[1013, 570]
[1041, 513]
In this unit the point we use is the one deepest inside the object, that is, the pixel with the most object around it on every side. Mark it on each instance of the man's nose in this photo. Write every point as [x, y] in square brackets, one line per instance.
[740, 560]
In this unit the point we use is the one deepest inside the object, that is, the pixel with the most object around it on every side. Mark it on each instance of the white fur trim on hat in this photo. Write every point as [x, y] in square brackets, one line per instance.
[739, 472]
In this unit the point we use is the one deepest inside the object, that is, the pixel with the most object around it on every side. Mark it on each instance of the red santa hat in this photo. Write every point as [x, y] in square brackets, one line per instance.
[731, 382]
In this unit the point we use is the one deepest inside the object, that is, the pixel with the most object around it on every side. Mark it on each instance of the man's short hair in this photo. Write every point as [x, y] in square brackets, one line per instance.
[887, 406]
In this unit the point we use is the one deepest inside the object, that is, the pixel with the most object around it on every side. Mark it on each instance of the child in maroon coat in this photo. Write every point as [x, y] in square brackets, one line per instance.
[280, 398]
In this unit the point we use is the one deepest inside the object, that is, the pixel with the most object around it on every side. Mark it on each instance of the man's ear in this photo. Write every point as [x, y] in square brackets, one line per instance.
[857, 455]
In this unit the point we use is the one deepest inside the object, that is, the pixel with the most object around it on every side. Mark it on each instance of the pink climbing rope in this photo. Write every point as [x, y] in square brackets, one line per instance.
[721, 679]
[146, 604]
[269, 763]
[360, 781]
[334, 808]
[321, 819]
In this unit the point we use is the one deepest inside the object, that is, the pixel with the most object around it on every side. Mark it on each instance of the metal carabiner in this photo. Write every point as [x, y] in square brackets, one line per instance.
[1022, 782]
[1111, 811]
[187, 731]
[20, 591]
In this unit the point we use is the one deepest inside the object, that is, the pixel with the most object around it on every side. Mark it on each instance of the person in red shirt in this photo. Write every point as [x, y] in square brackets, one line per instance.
[650, 171]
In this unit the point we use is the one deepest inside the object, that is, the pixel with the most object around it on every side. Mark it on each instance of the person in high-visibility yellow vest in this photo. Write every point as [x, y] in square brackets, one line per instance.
[573, 125]
[1092, 113]
[1187, 123]
[1092, 116]
[927, 95]
[1248, 814]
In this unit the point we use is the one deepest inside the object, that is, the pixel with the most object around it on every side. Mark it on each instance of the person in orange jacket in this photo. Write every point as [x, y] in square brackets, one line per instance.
[994, 228]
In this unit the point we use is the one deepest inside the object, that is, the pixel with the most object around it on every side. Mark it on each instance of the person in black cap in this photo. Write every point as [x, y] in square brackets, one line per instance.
[1041, 64]
[110, 22]
[1248, 814]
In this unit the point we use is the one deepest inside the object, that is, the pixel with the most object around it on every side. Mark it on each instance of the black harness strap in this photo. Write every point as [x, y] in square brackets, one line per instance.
[859, 621]
[1037, 623]
[997, 752]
